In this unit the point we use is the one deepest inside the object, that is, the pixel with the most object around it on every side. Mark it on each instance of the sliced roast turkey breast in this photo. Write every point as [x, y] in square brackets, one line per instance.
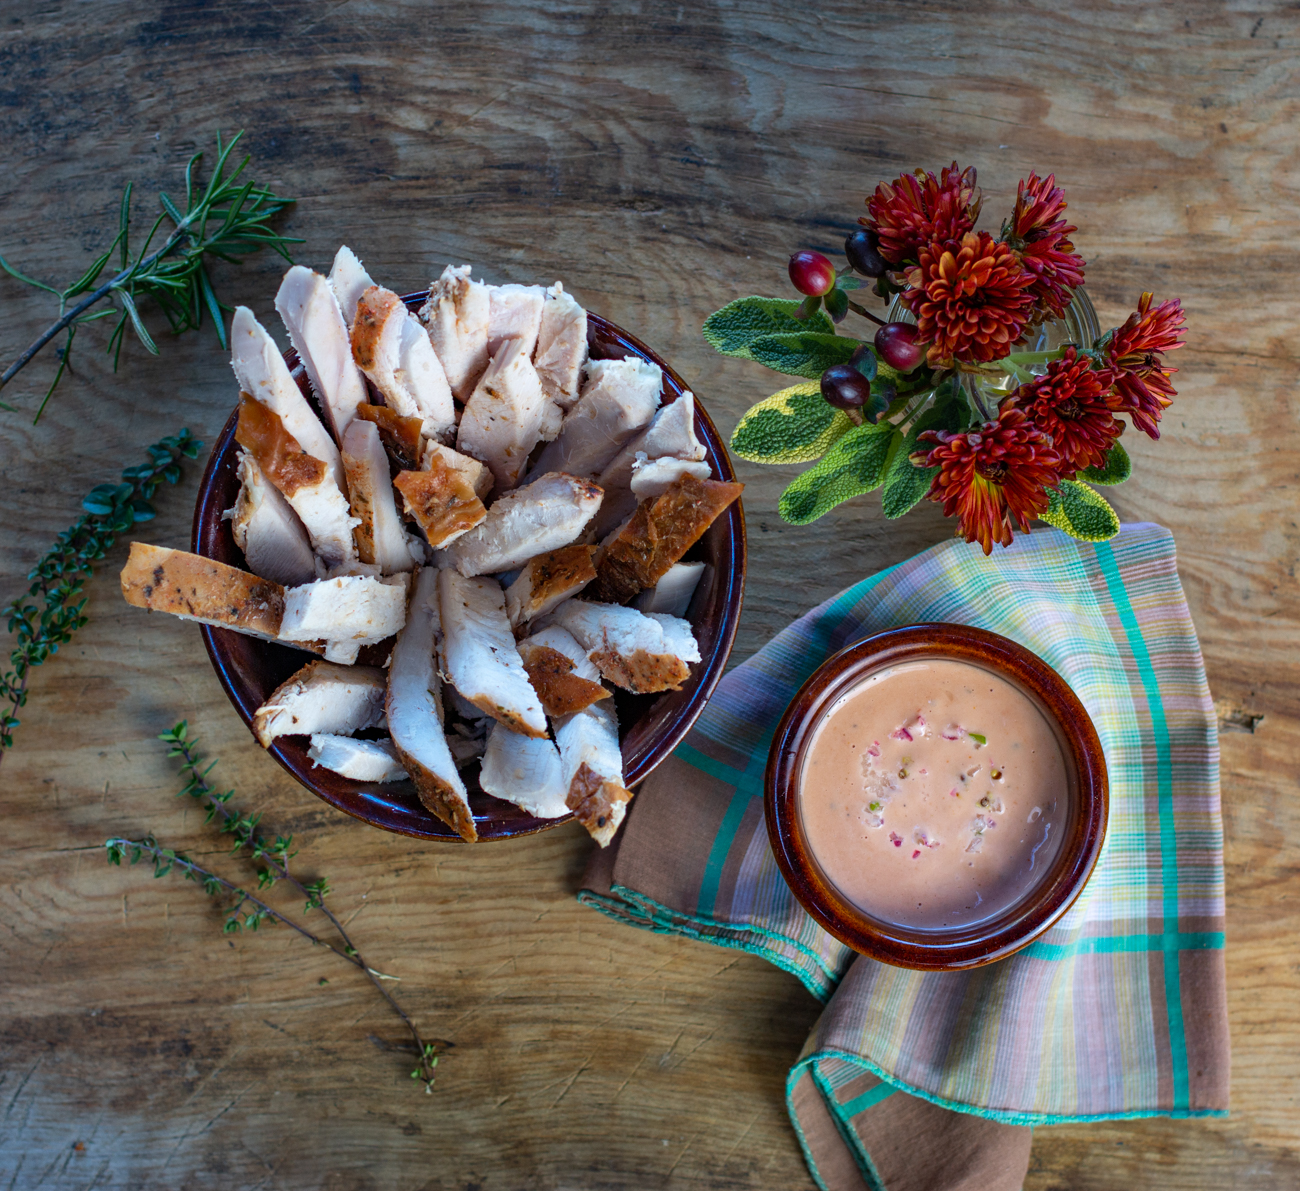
[414, 710]
[322, 697]
[380, 537]
[547, 514]
[480, 657]
[547, 580]
[524, 770]
[391, 347]
[360, 760]
[514, 312]
[591, 767]
[268, 531]
[639, 652]
[565, 679]
[618, 399]
[261, 371]
[303, 479]
[357, 609]
[503, 417]
[311, 314]
[456, 317]
[561, 347]
[349, 280]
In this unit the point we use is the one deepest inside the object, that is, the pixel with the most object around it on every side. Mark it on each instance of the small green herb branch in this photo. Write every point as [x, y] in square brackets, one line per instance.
[223, 220]
[50, 611]
[273, 856]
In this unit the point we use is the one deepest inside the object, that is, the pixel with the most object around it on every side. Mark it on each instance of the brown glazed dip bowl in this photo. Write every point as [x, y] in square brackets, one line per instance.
[650, 726]
[958, 947]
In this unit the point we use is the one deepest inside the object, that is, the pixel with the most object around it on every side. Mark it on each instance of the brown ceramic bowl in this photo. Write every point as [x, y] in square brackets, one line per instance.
[954, 948]
[651, 725]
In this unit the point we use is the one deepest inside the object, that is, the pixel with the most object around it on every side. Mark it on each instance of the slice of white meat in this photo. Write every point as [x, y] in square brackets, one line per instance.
[414, 709]
[322, 697]
[654, 477]
[261, 371]
[547, 580]
[190, 587]
[479, 653]
[311, 314]
[672, 594]
[355, 608]
[639, 652]
[456, 316]
[514, 312]
[549, 513]
[393, 350]
[349, 280]
[618, 399]
[524, 770]
[302, 479]
[591, 767]
[268, 531]
[380, 536]
[561, 347]
[670, 435]
[360, 760]
[503, 417]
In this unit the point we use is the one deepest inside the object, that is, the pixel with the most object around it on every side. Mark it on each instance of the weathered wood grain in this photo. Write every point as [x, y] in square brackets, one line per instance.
[661, 159]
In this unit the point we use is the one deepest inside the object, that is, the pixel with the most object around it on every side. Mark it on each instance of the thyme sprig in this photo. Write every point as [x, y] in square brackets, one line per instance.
[225, 219]
[58, 580]
[273, 856]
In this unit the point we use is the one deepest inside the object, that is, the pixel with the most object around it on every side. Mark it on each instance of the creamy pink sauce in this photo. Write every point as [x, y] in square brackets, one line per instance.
[933, 794]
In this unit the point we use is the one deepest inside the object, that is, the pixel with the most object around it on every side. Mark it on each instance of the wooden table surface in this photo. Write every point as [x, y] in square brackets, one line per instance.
[660, 159]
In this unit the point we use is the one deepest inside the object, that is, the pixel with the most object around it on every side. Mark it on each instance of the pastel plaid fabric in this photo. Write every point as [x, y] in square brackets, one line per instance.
[1118, 1011]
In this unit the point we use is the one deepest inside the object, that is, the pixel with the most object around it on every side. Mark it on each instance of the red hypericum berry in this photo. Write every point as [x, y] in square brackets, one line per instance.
[811, 273]
[860, 248]
[898, 347]
[845, 387]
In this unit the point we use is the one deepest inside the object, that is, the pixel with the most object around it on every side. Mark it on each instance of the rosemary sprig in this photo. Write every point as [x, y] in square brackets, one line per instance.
[59, 578]
[248, 909]
[225, 220]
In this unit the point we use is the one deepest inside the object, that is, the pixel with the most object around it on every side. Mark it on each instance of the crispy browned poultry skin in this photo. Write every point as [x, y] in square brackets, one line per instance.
[441, 500]
[658, 535]
[400, 436]
[561, 691]
[262, 434]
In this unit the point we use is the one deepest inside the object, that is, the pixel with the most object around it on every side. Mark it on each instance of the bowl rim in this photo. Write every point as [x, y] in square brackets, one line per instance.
[704, 677]
[960, 948]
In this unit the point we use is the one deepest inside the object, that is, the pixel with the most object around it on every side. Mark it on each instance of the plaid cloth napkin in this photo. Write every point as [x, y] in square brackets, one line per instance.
[917, 1081]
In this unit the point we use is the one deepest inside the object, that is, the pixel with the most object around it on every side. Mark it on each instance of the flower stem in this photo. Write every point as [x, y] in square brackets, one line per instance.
[1030, 357]
[857, 308]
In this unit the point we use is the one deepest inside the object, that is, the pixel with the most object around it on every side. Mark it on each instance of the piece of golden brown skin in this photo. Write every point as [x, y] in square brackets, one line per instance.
[359, 499]
[564, 569]
[400, 436]
[641, 672]
[658, 535]
[440, 500]
[439, 798]
[374, 308]
[597, 804]
[262, 434]
[561, 691]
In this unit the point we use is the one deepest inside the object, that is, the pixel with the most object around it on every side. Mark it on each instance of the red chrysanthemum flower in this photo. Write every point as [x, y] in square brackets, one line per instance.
[919, 207]
[1142, 388]
[992, 477]
[1070, 405]
[1040, 236]
[970, 299]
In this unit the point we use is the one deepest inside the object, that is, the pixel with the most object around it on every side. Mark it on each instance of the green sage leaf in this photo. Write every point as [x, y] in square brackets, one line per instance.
[905, 483]
[802, 353]
[1115, 470]
[795, 425]
[738, 324]
[854, 465]
[1081, 512]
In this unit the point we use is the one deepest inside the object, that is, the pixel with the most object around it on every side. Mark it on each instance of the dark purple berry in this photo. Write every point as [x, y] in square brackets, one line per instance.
[811, 273]
[845, 387]
[898, 347]
[860, 248]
